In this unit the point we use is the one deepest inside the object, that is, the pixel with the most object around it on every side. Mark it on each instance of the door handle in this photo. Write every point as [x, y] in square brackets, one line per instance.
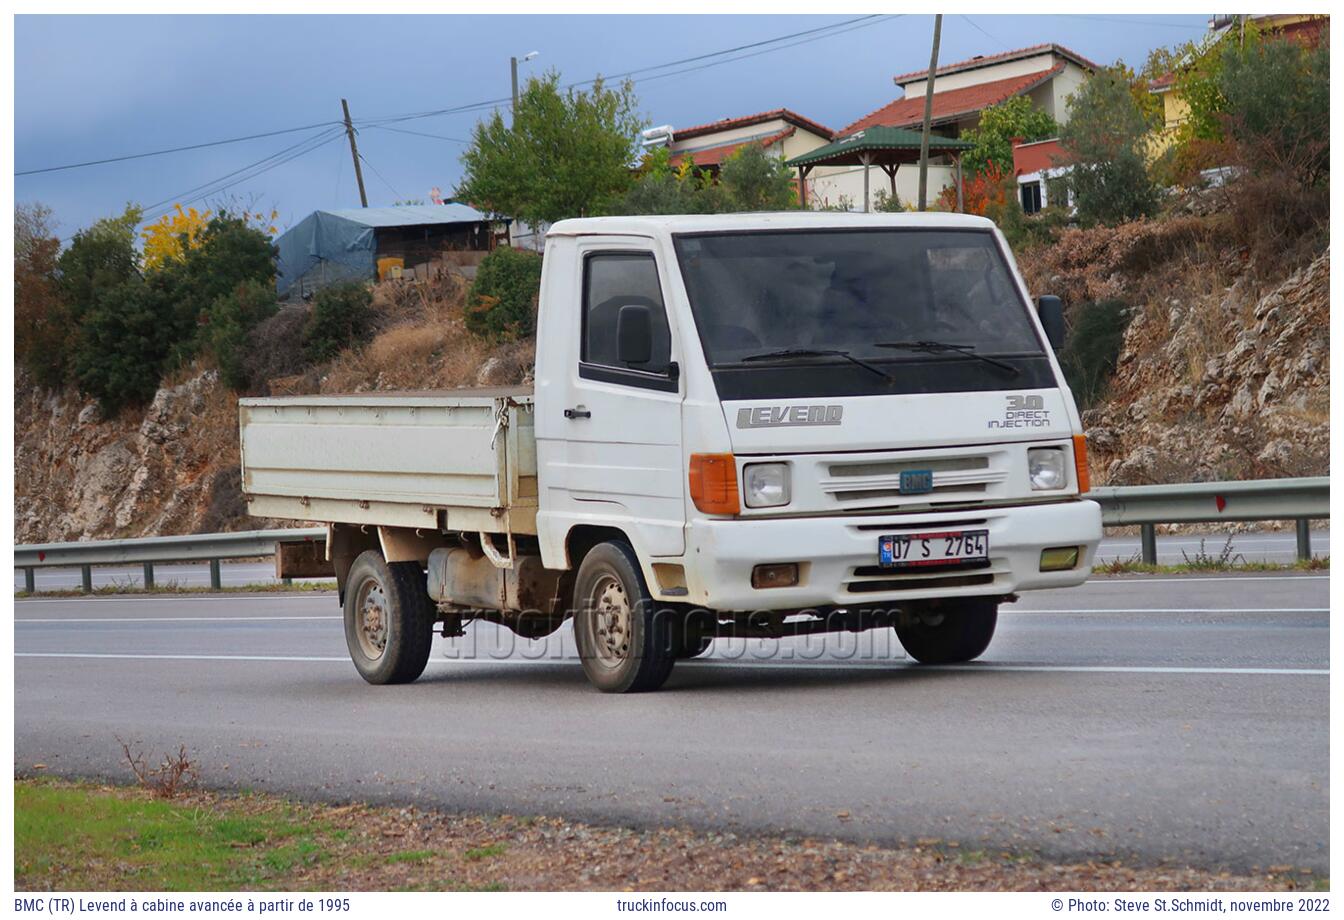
[578, 412]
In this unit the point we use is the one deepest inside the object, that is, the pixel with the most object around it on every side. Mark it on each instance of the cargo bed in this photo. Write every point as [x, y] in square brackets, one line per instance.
[447, 460]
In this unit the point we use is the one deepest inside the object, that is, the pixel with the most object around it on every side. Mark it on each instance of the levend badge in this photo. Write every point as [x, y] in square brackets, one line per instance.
[788, 416]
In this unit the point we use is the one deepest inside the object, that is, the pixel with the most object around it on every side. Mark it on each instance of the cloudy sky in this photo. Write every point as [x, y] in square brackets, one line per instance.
[97, 87]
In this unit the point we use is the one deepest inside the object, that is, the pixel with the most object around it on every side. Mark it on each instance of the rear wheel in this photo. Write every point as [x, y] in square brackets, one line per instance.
[389, 619]
[625, 641]
[951, 631]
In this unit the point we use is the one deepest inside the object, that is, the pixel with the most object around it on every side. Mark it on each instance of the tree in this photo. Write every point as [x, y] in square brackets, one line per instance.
[1106, 140]
[661, 188]
[984, 191]
[999, 124]
[502, 302]
[1276, 96]
[43, 325]
[173, 234]
[123, 343]
[342, 315]
[100, 257]
[753, 180]
[566, 154]
[230, 251]
[231, 321]
[749, 180]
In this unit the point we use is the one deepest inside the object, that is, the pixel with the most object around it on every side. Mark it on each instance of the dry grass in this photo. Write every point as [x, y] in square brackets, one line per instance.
[80, 837]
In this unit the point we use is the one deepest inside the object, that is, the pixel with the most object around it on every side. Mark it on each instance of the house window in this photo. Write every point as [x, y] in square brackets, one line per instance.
[1031, 197]
[1057, 192]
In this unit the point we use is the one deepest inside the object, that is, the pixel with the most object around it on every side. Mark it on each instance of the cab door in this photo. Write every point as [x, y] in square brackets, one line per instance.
[620, 423]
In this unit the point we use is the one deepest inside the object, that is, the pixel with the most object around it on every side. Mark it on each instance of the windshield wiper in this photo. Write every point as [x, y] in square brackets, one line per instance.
[819, 353]
[937, 348]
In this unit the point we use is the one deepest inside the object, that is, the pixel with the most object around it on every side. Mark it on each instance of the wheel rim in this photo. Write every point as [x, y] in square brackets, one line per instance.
[371, 619]
[611, 621]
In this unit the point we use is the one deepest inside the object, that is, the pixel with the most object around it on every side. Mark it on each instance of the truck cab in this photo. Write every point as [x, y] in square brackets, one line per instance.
[768, 425]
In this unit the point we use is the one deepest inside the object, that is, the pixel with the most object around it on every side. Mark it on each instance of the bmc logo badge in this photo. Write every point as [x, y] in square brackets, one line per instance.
[782, 416]
[1024, 410]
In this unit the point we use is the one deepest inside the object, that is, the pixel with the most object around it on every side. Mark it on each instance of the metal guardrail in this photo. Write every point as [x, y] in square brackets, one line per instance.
[205, 547]
[1302, 500]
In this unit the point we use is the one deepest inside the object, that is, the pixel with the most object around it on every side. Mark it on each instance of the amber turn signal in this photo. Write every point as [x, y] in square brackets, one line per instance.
[775, 575]
[1080, 463]
[714, 483]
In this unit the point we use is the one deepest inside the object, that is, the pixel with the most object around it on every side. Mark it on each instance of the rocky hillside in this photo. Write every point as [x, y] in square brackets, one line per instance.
[1224, 374]
[1225, 368]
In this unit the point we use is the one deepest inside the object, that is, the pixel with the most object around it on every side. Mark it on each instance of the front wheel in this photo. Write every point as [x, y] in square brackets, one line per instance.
[389, 621]
[625, 641]
[952, 631]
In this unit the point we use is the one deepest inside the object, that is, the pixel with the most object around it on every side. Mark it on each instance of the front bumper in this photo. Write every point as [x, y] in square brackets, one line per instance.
[837, 556]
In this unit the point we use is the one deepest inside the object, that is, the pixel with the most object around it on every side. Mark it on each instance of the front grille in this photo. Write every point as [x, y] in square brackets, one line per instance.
[957, 479]
[876, 586]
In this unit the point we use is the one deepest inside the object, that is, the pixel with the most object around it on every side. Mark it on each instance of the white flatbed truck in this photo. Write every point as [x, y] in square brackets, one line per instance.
[742, 425]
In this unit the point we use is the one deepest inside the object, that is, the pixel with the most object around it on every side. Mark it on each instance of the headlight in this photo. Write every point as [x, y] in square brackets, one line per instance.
[1045, 466]
[765, 485]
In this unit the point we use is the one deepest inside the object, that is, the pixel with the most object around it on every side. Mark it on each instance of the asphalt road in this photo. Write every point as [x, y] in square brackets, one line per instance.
[1158, 719]
[1253, 546]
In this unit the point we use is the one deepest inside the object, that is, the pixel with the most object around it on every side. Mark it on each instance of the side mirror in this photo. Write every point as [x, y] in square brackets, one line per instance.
[634, 334]
[1051, 311]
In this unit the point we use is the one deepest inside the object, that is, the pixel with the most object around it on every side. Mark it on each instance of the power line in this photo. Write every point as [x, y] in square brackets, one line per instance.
[813, 34]
[836, 28]
[242, 174]
[366, 162]
[155, 153]
[975, 25]
[437, 137]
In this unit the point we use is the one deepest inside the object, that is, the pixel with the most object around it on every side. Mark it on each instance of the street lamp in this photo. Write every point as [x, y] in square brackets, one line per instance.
[513, 68]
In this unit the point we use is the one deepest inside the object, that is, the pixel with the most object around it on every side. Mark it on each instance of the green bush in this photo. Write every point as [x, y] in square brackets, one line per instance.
[124, 340]
[342, 314]
[502, 302]
[230, 321]
[1092, 348]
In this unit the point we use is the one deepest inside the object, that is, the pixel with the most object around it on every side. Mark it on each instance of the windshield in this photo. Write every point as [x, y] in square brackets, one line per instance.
[786, 313]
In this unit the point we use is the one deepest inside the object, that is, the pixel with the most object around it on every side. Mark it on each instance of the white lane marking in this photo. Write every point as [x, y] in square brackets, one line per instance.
[167, 619]
[1099, 579]
[234, 596]
[1168, 610]
[726, 663]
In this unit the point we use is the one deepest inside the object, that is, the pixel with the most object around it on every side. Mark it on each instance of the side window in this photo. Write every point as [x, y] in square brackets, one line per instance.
[610, 281]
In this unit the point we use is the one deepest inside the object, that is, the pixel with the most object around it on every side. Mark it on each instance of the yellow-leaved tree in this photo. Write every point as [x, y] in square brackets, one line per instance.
[172, 235]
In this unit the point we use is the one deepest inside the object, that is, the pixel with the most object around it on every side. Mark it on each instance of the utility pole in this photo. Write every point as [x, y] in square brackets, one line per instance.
[513, 71]
[354, 152]
[928, 116]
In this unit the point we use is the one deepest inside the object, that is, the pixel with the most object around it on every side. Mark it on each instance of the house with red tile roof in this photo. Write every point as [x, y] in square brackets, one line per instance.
[781, 132]
[1047, 74]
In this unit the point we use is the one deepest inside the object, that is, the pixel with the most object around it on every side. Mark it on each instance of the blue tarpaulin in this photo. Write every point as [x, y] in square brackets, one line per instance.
[332, 246]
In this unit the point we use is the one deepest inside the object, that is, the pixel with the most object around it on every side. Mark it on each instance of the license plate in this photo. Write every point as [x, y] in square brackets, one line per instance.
[943, 547]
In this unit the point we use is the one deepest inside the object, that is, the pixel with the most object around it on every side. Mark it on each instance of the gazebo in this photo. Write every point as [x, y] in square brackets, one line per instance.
[885, 148]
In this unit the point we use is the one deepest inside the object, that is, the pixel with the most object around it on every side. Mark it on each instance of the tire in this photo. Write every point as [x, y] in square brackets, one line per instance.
[625, 641]
[389, 620]
[961, 631]
[693, 646]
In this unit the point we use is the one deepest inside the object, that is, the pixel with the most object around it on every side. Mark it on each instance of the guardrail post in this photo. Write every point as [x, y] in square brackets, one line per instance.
[1303, 538]
[86, 578]
[29, 580]
[149, 575]
[214, 574]
[1148, 543]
